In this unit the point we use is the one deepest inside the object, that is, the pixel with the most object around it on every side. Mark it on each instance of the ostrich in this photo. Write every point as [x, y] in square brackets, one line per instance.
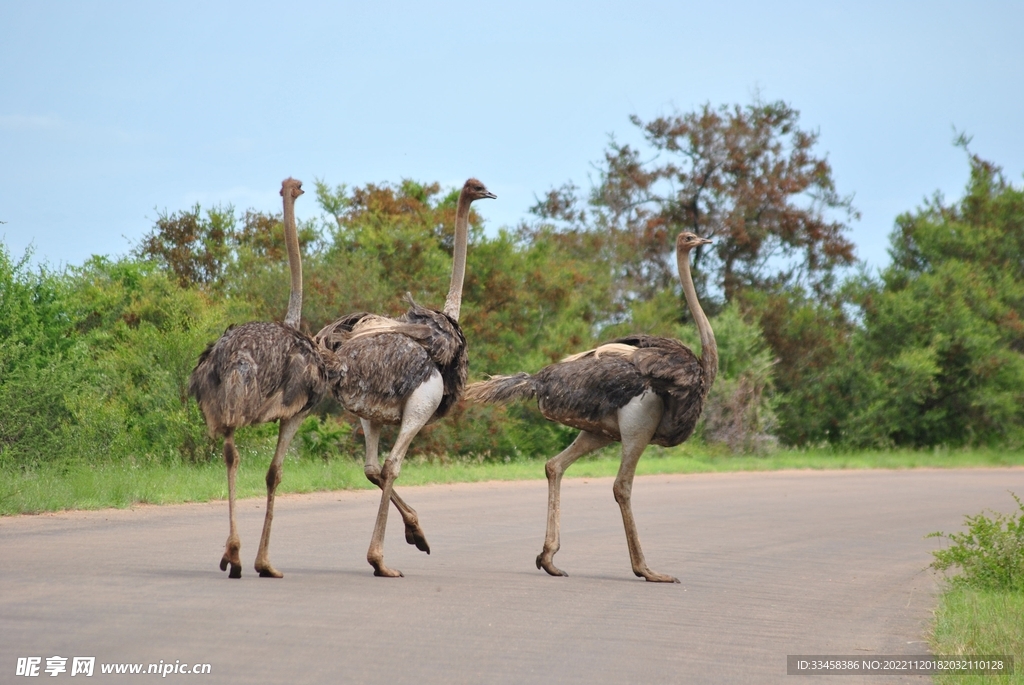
[635, 390]
[406, 372]
[260, 372]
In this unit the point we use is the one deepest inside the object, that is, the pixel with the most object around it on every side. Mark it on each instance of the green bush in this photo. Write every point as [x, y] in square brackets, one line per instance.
[321, 437]
[990, 555]
[41, 362]
[94, 364]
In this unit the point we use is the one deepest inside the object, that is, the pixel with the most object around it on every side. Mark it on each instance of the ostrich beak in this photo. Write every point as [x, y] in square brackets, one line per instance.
[490, 195]
[706, 241]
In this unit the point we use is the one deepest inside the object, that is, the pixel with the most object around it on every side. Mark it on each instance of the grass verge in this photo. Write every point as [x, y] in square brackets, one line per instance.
[973, 622]
[74, 485]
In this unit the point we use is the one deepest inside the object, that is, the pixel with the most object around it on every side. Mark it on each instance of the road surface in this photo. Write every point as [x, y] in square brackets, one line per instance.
[771, 564]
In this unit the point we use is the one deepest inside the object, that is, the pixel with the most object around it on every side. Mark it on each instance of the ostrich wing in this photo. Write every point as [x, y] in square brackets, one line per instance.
[446, 347]
[674, 372]
[364, 325]
[379, 372]
[445, 342]
[384, 359]
[337, 332]
[438, 334]
[583, 390]
[670, 366]
[259, 372]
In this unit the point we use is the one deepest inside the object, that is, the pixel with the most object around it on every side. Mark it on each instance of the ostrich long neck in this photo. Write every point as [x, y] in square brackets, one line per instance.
[709, 349]
[291, 241]
[453, 303]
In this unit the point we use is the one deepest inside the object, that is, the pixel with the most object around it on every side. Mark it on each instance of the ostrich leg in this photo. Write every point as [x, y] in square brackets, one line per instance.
[583, 444]
[414, 534]
[233, 544]
[285, 433]
[421, 405]
[637, 422]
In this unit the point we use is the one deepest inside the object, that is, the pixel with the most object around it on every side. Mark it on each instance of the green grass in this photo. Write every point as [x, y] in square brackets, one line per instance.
[973, 622]
[75, 485]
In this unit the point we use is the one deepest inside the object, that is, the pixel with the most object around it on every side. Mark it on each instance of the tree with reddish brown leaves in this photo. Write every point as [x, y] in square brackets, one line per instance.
[746, 177]
[194, 248]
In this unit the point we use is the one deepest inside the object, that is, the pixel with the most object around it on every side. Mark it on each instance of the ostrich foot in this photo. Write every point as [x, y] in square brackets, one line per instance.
[267, 571]
[236, 566]
[545, 562]
[379, 569]
[414, 535]
[382, 571]
[653, 577]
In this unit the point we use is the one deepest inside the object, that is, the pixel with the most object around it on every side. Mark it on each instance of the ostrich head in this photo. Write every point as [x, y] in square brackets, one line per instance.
[475, 190]
[290, 185]
[686, 241]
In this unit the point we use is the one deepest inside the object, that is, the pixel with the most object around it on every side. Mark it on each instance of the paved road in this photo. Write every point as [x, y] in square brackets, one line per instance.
[771, 564]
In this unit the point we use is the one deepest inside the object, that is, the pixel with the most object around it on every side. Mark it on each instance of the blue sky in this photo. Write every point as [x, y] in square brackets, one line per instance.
[113, 111]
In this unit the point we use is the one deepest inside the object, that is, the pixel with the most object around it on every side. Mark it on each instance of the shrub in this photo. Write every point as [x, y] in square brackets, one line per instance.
[320, 437]
[740, 409]
[990, 554]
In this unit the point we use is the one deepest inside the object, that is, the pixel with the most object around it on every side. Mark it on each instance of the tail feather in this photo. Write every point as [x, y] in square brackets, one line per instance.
[503, 389]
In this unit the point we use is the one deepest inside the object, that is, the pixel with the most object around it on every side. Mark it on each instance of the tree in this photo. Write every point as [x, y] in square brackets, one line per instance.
[747, 177]
[254, 280]
[811, 340]
[940, 359]
[196, 249]
[382, 241]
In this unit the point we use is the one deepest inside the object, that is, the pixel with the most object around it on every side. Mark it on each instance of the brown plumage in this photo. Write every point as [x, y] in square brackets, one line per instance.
[637, 390]
[582, 390]
[256, 373]
[408, 372]
[260, 372]
[383, 360]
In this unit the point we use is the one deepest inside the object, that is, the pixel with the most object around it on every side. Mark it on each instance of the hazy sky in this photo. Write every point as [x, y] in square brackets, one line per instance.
[113, 111]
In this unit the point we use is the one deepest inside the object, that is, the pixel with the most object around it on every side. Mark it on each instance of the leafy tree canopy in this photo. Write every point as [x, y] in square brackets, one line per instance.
[941, 355]
[747, 177]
